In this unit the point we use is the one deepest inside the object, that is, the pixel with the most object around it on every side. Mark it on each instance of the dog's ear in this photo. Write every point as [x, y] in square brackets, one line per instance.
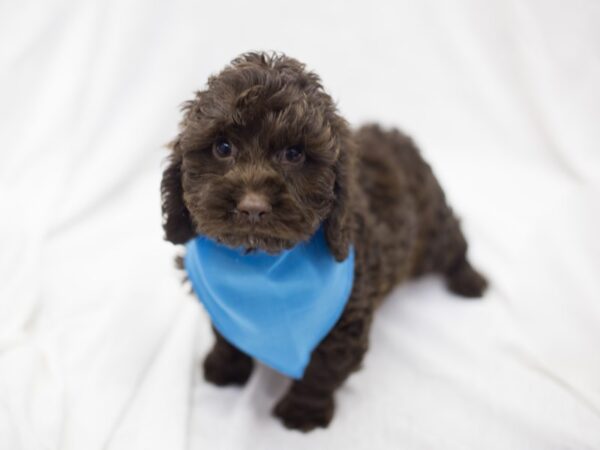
[176, 217]
[339, 225]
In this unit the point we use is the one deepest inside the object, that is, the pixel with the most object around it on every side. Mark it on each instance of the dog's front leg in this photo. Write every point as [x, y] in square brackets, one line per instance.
[226, 364]
[309, 402]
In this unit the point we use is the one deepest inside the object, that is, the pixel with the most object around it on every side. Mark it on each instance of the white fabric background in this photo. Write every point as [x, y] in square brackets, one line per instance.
[100, 344]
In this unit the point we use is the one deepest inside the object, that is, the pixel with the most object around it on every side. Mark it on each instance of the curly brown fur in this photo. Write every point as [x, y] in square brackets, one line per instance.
[369, 188]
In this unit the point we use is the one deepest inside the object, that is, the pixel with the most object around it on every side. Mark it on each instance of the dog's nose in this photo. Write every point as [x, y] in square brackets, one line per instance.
[254, 206]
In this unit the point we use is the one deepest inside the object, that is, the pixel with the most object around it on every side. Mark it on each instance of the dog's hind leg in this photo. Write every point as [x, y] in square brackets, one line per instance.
[464, 280]
[446, 253]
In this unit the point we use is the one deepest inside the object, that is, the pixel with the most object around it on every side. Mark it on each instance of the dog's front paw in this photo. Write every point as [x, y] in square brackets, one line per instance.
[225, 367]
[305, 413]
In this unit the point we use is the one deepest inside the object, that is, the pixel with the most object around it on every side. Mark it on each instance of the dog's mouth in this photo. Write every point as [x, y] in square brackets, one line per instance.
[281, 230]
[271, 238]
[252, 241]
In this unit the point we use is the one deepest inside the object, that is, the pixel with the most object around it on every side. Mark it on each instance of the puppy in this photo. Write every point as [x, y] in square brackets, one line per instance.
[262, 162]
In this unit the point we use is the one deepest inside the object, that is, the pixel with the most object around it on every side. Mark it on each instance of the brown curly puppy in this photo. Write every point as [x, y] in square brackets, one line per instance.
[261, 161]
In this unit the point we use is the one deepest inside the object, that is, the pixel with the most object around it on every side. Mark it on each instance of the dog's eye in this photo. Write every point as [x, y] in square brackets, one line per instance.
[223, 149]
[293, 155]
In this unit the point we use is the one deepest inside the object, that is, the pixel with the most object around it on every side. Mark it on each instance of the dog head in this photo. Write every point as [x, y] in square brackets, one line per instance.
[262, 159]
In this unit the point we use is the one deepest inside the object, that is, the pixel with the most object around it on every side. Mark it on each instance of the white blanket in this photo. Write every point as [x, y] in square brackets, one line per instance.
[100, 344]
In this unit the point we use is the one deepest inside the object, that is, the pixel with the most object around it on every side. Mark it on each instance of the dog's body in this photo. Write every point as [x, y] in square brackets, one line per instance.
[369, 188]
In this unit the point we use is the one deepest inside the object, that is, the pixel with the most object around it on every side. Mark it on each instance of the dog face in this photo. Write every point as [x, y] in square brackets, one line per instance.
[261, 160]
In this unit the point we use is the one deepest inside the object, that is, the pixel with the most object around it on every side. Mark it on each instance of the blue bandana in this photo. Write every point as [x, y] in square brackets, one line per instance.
[275, 308]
